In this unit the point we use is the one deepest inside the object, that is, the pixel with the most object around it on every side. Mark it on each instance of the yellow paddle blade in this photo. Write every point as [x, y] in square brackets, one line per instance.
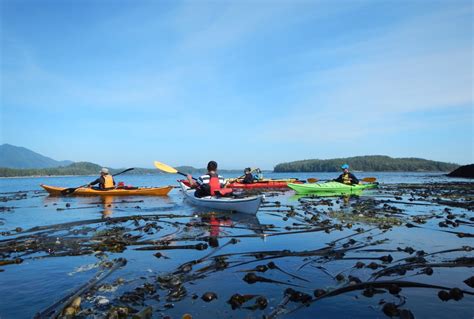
[369, 179]
[165, 168]
[312, 180]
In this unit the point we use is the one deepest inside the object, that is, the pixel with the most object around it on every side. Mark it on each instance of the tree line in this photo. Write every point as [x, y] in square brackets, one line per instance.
[87, 168]
[372, 163]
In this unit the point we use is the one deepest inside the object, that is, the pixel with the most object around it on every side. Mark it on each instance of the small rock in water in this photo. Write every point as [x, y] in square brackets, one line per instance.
[456, 294]
[319, 292]
[102, 301]
[261, 302]
[209, 296]
[394, 289]
[390, 310]
[444, 295]
[340, 277]
[250, 278]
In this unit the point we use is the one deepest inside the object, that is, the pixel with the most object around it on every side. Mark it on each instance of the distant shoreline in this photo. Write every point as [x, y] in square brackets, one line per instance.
[267, 172]
[44, 176]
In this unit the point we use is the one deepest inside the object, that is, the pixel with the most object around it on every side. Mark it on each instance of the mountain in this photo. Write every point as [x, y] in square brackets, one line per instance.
[368, 163]
[19, 157]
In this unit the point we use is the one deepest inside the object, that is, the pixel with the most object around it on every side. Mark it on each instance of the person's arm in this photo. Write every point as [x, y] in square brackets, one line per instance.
[97, 181]
[339, 179]
[354, 179]
[193, 183]
[221, 181]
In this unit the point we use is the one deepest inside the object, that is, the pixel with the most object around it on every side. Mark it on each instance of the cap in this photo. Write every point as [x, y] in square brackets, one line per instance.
[345, 166]
[104, 170]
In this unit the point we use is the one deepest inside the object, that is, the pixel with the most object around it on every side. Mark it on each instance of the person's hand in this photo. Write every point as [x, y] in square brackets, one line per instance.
[190, 178]
[88, 185]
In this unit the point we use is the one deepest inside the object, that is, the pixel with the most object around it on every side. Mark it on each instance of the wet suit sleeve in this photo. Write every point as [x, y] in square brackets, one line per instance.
[354, 179]
[97, 181]
[339, 179]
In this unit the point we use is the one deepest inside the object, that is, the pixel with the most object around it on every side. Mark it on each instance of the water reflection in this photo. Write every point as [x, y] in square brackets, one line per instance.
[69, 203]
[107, 206]
[219, 224]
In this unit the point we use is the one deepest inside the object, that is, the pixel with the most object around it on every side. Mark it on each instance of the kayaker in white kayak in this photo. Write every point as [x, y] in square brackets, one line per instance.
[347, 177]
[210, 184]
[105, 181]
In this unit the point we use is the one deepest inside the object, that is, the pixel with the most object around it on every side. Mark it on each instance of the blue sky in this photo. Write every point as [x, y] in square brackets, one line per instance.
[246, 83]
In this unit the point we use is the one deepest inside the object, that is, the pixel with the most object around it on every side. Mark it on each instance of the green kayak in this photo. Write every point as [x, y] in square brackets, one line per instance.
[332, 188]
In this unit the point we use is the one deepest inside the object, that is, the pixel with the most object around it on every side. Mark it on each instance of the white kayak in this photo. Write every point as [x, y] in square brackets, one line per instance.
[247, 205]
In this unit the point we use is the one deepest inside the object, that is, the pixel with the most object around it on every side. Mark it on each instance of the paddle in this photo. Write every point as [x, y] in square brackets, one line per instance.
[168, 169]
[68, 191]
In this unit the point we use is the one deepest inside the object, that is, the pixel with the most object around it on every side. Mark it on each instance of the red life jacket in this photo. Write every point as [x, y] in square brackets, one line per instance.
[215, 186]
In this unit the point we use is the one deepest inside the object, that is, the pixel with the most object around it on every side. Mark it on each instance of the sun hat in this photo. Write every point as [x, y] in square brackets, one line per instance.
[104, 170]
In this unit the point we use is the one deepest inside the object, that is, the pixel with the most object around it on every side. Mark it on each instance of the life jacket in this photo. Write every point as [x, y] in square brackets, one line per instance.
[215, 186]
[346, 178]
[108, 182]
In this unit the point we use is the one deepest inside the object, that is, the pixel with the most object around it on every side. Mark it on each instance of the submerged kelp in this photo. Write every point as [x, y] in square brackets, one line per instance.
[391, 251]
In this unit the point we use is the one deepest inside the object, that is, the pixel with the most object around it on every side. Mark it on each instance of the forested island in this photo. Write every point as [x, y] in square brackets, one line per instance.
[370, 163]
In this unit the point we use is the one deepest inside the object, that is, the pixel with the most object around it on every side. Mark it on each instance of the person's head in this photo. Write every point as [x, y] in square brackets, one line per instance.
[247, 170]
[212, 166]
[345, 168]
[104, 171]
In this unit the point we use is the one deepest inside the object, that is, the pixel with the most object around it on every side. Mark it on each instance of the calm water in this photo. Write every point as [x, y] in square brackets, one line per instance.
[43, 277]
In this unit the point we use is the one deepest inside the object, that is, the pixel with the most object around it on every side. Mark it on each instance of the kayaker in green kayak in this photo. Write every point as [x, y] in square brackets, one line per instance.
[210, 184]
[347, 177]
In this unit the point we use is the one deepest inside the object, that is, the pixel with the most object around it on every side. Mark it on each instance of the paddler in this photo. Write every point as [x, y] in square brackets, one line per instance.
[105, 181]
[210, 184]
[249, 178]
[347, 177]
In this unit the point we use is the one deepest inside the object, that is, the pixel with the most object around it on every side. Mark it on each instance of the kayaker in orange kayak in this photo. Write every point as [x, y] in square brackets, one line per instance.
[105, 181]
[209, 184]
[347, 177]
[248, 177]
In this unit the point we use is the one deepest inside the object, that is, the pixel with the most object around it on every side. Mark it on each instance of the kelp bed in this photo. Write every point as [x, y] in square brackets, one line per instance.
[404, 250]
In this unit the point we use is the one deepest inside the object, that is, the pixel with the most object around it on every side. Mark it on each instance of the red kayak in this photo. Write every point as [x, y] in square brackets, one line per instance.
[263, 184]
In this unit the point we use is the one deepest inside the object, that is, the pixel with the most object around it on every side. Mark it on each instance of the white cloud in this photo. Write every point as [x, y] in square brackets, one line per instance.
[406, 69]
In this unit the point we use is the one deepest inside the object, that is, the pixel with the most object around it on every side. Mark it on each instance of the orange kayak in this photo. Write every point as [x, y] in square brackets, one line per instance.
[139, 191]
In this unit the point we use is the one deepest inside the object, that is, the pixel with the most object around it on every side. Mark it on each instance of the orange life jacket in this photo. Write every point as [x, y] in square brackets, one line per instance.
[108, 182]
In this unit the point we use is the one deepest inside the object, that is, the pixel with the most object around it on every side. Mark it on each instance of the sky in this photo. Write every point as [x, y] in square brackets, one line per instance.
[246, 83]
